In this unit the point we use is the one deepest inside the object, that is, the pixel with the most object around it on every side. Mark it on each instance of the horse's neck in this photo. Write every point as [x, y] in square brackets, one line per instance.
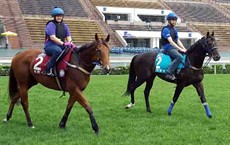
[83, 60]
[196, 56]
[196, 61]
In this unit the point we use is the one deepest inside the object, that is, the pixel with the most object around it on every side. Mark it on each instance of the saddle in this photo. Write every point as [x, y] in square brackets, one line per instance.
[163, 61]
[40, 63]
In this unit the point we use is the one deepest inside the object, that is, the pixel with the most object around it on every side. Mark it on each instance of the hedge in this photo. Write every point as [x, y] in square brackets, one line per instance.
[120, 70]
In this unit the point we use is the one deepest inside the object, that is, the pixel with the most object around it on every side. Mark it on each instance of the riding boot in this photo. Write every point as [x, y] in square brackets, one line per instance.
[49, 72]
[170, 76]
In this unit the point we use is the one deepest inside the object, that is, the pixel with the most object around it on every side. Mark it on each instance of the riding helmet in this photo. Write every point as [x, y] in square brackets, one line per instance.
[172, 16]
[57, 11]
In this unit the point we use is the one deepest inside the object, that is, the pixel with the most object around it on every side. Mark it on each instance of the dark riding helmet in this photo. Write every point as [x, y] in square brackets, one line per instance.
[57, 11]
[172, 16]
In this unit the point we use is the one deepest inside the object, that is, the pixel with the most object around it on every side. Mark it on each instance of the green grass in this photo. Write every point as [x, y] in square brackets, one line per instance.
[188, 124]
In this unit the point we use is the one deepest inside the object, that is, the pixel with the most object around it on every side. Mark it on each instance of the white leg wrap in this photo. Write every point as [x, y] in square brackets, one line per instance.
[130, 105]
[32, 127]
[4, 120]
[205, 103]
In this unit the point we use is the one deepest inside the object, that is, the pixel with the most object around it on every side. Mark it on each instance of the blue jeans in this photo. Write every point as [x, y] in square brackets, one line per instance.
[177, 59]
[54, 51]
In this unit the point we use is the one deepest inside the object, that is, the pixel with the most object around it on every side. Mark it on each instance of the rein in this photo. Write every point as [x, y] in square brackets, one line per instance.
[78, 67]
[77, 53]
[207, 62]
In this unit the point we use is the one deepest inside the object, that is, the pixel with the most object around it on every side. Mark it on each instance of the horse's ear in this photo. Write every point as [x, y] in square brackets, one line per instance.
[96, 37]
[212, 33]
[107, 39]
[207, 34]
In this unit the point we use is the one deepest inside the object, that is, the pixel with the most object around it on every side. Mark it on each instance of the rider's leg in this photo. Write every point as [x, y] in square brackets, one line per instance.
[173, 52]
[54, 51]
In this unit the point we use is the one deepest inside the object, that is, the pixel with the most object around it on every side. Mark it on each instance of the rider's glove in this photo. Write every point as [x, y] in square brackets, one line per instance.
[67, 44]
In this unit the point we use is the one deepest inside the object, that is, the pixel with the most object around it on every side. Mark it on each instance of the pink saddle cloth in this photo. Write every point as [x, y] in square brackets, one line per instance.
[40, 63]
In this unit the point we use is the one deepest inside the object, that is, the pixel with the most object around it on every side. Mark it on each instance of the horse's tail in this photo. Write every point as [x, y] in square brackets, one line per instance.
[132, 77]
[13, 85]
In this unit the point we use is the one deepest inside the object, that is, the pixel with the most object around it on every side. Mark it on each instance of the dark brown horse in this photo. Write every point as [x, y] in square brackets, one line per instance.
[142, 69]
[82, 62]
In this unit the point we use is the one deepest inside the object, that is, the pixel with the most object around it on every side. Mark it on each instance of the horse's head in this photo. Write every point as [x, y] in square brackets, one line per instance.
[210, 47]
[102, 52]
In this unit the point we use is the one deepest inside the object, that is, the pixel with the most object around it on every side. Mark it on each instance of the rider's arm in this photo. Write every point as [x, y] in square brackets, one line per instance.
[175, 45]
[68, 35]
[68, 39]
[181, 45]
[56, 40]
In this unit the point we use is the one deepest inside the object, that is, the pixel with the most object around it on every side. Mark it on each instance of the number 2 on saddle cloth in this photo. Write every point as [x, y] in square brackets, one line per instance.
[163, 61]
[39, 64]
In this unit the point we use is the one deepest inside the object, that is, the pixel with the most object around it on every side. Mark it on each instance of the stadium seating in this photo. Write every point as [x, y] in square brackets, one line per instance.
[226, 5]
[221, 32]
[222, 1]
[35, 7]
[130, 4]
[198, 12]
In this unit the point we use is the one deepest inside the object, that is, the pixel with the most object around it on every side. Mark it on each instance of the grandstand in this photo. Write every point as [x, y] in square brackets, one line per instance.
[141, 19]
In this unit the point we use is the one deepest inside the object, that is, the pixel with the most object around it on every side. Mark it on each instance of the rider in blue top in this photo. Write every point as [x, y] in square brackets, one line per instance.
[172, 44]
[57, 37]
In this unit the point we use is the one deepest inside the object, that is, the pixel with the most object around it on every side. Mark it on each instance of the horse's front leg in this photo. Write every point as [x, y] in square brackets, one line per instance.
[200, 91]
[84, 103]
[78, 96]
[177, 93]
[69, 107]
[149, 84]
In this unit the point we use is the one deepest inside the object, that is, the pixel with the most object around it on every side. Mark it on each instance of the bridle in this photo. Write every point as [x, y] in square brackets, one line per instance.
[77, 53]
[97, 61]
[208, 52]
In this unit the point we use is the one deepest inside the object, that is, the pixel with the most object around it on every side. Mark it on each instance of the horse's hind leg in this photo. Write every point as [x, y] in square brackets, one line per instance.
[134, 86]
[200, 91]
[25, 104]
[11, 107]
[149, 84]
[177, 93]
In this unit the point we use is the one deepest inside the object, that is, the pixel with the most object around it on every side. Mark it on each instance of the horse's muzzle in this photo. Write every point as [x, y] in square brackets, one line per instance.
[106, 69]
[216, 57]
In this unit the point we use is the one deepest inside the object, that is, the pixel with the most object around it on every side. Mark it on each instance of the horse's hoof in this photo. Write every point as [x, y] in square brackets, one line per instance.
[209, 116]
[5, 120]
[97, 132]
[149, 111]
[130, 105]
[62, 126]
[32, 127]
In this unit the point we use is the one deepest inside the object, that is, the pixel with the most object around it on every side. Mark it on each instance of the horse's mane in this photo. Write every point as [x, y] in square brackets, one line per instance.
[84, 47]
[195, 45]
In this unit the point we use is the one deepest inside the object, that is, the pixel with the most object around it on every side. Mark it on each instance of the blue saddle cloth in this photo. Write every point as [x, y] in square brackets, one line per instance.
[163, 61]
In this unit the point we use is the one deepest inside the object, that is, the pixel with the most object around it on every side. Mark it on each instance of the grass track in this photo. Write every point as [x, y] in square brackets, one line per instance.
[187, 125]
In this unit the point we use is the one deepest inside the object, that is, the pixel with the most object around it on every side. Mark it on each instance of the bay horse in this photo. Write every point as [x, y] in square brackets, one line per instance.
[142, 69]
[82, 62]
